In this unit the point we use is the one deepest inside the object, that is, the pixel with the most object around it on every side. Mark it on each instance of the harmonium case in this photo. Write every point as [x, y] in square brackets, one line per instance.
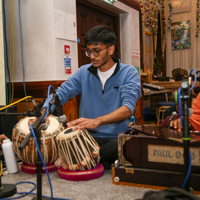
[153, 156]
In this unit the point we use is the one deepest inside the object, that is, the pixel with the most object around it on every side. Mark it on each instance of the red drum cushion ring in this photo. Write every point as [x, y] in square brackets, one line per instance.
[82, 175]
[31, 169]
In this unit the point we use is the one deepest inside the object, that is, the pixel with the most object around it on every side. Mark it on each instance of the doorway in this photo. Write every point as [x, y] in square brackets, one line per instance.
[88, 16]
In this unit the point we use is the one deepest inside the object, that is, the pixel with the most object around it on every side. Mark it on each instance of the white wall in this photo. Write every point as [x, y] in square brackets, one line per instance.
[44, 53]
[130, 34]
[68, 6]
[38, 40]
[125, 43]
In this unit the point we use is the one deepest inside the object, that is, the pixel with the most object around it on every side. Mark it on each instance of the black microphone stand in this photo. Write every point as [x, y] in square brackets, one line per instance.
[39, 170]
[56, 101]
[37, 130]
[29, 114]
[7, 190]
[185, 96]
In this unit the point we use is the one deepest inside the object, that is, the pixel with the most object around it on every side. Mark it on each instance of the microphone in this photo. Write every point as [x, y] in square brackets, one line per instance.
[190, 81]
[61, 117]
[43, 125]
[36, 125]
[174, 113]
[36, 108]
[190, 112]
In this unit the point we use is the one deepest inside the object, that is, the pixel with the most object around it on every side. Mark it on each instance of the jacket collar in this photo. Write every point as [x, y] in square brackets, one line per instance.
[93, 69]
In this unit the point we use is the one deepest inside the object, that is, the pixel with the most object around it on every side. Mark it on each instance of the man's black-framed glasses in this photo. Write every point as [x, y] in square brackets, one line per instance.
[95, 53]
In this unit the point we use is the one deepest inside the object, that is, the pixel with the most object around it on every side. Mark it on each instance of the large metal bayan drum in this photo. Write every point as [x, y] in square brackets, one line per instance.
[78, 150]
[48, 149]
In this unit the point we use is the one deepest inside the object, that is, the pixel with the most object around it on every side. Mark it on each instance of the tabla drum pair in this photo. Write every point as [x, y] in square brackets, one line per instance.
[48, 147]
[77, 149]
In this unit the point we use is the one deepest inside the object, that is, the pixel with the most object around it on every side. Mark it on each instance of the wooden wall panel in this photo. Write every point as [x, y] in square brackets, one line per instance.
[22, 106]
[36, 89]
[69, 109]
[39, 91]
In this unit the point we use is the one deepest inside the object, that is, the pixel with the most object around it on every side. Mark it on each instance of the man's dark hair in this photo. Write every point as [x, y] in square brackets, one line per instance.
[100, 34]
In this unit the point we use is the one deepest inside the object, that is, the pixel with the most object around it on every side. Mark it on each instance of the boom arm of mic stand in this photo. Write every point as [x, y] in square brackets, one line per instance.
[36, 126]
[31, 114]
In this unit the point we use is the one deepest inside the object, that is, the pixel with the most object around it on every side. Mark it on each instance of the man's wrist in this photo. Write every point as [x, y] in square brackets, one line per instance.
[100, 120]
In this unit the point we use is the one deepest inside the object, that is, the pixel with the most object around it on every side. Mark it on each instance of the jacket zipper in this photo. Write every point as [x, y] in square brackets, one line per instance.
[105, 85]
[105, 82]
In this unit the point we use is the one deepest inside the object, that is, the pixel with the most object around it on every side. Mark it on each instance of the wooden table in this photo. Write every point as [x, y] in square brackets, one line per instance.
[158, 92]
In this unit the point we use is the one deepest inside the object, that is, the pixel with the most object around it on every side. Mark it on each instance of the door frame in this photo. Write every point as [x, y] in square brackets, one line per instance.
[116, 25]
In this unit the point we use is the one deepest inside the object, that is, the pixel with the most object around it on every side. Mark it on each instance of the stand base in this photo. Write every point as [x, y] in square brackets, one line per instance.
[7, 190]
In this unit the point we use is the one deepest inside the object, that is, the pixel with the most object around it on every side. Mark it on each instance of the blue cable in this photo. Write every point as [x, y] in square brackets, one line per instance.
[180, 105]
[195, 78]
[179, 95]
[6, 53]
[30, 192]
[133, 119]
[6, 87]
[24, 193]
[50, 86]
[22, 55]
[43, 163]
[180, 111]
[27, 182]
[33, 134]
[189, 169]
[42, 160]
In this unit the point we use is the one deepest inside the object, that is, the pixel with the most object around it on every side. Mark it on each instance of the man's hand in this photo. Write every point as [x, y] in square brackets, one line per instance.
[176, 124]
[2, 137]
[120, 114]
[82, 123]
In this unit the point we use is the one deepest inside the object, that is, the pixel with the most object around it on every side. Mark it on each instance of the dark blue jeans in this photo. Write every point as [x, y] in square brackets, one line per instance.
[108, 151]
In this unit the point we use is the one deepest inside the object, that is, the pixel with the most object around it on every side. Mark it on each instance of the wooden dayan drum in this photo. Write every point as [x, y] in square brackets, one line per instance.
[49, 149]
[78, 150]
